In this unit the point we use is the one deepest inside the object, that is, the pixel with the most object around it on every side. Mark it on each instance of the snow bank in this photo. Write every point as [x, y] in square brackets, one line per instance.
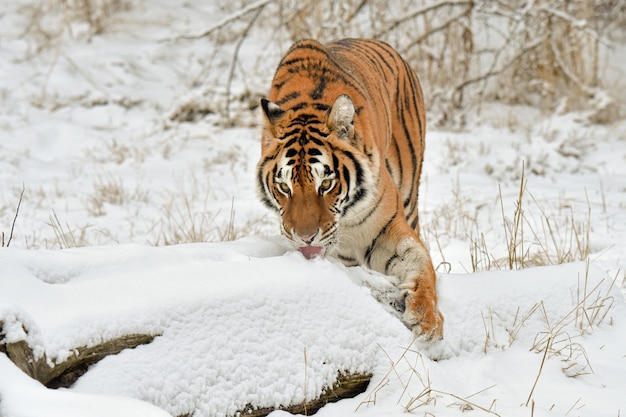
[249, 322]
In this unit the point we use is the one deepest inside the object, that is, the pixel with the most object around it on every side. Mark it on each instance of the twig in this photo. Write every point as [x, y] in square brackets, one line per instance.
[566, 70]
[17, 210]
[48, 74]
[356, 11]
[421, 11]
[473, 404]
[231, 72]
[259, 5]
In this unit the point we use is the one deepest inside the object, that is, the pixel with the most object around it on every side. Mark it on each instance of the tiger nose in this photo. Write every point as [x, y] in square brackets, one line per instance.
[309, 238]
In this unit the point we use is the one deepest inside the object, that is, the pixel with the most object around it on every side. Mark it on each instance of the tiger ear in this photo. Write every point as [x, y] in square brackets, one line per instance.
[341, 118]
[272, 113]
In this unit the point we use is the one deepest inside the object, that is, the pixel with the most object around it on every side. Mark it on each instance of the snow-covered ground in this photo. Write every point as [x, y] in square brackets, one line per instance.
[87, 129]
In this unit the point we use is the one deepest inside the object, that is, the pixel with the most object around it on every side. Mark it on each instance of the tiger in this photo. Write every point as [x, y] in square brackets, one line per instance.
[342, 146]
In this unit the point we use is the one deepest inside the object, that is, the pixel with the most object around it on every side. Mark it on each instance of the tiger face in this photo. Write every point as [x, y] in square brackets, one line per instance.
[312, 173]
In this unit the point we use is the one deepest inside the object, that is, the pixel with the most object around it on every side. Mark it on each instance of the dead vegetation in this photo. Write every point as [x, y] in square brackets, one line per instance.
[52, 21]
[560, 340]
[526, 231]
[547, 53]
[411, 371]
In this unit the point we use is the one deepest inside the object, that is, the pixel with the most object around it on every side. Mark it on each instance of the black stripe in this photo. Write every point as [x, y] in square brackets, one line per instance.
[310, 46]
[369, 214]
[318, 92]
[321, 106]
[389, 261]
[317, 141]
[288, 97]
[316, 131]
[357, 167]
[347, 259]
[346, 173]
[290, 142]
[359, 194]
[383, 230]
[389, 168]
[303, 119]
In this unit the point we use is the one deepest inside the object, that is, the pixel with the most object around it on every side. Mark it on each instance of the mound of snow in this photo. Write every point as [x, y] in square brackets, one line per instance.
[249, 322]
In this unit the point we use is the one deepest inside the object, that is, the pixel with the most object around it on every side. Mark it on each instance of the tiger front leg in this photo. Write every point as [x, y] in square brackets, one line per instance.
[411, 263]
[421, 313]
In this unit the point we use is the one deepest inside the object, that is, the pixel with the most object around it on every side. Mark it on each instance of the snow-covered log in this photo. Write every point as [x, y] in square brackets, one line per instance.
[63, 374]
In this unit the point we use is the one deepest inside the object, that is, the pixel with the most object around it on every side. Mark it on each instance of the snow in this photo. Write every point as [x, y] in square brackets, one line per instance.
[23, 396]
[237, 326]
[86, 128]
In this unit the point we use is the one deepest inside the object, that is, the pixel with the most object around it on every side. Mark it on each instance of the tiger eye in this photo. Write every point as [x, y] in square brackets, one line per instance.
[325, 185]
[284, 187]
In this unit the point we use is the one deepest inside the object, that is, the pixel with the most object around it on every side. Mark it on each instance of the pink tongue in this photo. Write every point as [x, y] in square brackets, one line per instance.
[311, 251]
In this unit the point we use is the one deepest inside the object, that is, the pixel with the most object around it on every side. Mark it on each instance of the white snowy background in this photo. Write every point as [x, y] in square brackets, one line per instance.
[114, 184]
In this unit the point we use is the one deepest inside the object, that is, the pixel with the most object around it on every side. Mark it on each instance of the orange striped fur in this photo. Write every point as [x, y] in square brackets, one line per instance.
[342, 151]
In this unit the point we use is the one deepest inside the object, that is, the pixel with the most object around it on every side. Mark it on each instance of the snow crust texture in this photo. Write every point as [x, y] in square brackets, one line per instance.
[248, 322]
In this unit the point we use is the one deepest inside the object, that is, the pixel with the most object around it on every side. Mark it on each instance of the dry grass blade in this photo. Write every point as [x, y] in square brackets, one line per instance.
[66, 237]
[17, 211]
[371, 397]
[416, 370]
[543, 360]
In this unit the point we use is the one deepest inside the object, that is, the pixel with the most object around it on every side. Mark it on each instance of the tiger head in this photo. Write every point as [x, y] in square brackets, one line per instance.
[313, 171]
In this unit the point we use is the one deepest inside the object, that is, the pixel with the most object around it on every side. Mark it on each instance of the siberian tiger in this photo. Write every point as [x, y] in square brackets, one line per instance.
[342, 150]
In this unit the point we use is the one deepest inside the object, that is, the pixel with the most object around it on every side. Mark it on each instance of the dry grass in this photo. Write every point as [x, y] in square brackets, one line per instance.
[535, 233]
[50, 21]
[67, 236]
[111, 190]
[193, 214]
[558, 341]
[114, 151]
[541, 238]
[411, 371]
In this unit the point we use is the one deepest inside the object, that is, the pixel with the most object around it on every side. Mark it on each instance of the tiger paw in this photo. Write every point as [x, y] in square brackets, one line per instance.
[423, 317]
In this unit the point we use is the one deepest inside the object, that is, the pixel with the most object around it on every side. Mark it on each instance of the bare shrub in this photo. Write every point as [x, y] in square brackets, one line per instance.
[51, 20]
[545, 53]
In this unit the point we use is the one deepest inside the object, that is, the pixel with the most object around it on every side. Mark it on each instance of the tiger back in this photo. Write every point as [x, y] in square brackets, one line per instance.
[342, 151]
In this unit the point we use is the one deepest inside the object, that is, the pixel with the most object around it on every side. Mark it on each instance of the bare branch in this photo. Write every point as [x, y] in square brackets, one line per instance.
[259, 5]
[422, 11]
[492, 72]
[233, 63]
[444, 25]
[17, 210]
[566, 71]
